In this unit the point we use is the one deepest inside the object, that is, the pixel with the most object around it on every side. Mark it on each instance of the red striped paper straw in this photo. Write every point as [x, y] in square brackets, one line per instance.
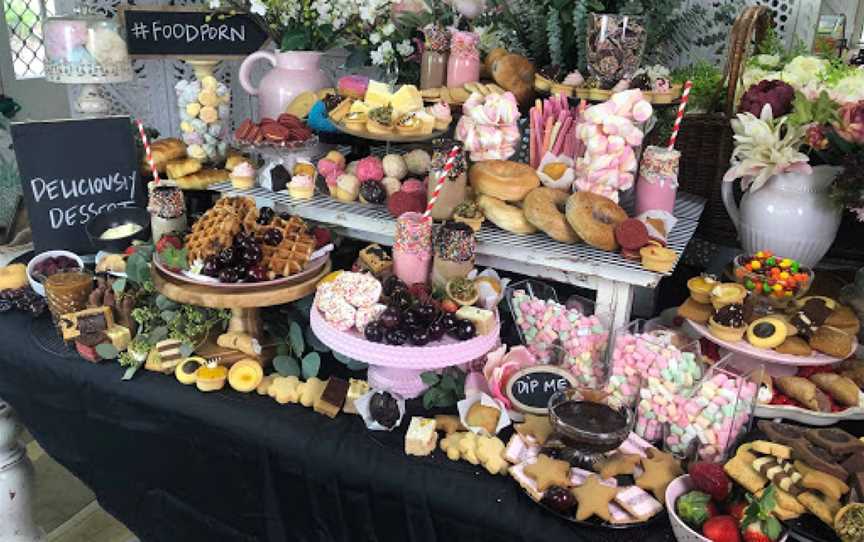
[451, 159]
[147, 151]
[681, 107]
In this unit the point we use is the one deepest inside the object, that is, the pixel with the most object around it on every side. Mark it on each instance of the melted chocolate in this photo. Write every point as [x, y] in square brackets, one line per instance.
[592, 417]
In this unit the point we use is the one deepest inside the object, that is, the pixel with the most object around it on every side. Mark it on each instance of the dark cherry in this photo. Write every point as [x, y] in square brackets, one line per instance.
[411, 319]
[449, 322]
[396, 337]
[426, 313]
[229, 274]
[392, 284]
[211, 267]
[252, 255]
[240, 238]
[265, 215]
[384, 409]
[390, 318]
[272, 237]
[401, 300]
[256, 273]
[420, 336]
[465, 330]
[560, 500]
[436, 331]
[374, 332]
[227, 257]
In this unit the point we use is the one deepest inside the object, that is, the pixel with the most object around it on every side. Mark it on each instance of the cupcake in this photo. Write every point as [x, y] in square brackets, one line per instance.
[347, 188]
[304, 167]
[700, 288]
[441, 112]
[728, 324]
[727, 293]
[243, 176]
[301, 187]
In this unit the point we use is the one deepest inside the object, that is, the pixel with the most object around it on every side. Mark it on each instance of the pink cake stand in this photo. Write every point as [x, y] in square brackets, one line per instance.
[776, 364]
[397, 369]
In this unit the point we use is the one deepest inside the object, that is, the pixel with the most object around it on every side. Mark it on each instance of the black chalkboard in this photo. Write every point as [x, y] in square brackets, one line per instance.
[73, 170]
[530, 389]
[189, 33]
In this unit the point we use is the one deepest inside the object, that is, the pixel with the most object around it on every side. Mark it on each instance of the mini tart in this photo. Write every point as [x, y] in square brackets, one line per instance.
[186, 370]
[657, 259]
[700, 289]
[725, 333]
[355, 121]
[377, 128]
[245, 375]
[409, 124]
[462, 300]
[727, 293]
[211, 378]
[767, 332]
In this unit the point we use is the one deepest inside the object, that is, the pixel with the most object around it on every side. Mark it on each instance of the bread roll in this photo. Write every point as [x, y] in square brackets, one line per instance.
[164, 151]
[203, 179]
[182, 167]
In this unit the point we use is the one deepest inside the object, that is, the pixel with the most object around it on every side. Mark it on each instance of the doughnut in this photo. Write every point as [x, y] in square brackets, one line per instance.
[542, 209]
[505, 216]
[593, 218]
[503, 179]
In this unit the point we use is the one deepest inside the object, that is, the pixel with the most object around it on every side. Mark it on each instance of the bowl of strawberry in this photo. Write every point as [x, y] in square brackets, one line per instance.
[705, 506]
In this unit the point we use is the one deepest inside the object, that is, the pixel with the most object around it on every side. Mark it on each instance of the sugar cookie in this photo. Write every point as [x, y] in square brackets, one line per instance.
[593, 499]
[537, 427]
[548, 472]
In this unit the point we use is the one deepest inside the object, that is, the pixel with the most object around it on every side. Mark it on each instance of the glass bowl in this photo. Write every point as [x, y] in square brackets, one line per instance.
[791, 289]
[604, 421]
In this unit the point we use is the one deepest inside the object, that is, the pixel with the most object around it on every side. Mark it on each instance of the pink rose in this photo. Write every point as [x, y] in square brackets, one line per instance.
[851, 124]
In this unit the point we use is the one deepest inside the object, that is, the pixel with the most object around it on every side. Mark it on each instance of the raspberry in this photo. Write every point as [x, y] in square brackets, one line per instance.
[710, 478]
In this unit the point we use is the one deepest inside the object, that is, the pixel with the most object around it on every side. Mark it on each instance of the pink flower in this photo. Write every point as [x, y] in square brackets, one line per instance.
[501, 365]
[851, 124]
[816, 138]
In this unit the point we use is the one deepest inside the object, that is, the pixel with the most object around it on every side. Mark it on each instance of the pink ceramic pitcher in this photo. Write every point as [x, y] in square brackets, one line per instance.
[293, 72]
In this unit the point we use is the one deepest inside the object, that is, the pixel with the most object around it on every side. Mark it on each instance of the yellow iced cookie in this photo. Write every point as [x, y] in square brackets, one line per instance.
[208, 98]
[193, 108]
[209, 115]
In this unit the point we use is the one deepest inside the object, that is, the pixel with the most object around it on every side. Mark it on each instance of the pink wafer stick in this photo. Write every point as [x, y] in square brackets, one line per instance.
[562, 136]
[451, 159]
[148, 151]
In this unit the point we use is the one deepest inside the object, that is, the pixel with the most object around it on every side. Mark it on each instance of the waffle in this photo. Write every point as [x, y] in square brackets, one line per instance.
[217, 227]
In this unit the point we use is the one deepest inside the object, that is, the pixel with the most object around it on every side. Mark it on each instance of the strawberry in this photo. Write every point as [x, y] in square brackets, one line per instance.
[168, 241]
[710, 478]
[736, 509]
[721, 529]
[322, 236]
[759, 524]
[130, 250]
[448, 305]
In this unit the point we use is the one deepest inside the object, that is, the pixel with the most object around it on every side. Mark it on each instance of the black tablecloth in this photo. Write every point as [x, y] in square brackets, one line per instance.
[175, 464]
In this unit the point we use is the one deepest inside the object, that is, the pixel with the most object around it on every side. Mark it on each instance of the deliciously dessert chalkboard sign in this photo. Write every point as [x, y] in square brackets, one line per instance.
[190, 33]
[530, 388]
[73, 170]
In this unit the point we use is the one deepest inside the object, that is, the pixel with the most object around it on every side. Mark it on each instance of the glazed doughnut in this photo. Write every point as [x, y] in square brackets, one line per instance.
[503, 179]
[505, 216]
[593, 218]
[542, 208]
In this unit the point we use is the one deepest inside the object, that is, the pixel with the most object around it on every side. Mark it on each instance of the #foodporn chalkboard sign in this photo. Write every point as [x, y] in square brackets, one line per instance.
[73, 170]
[190, 33]
[529, 389]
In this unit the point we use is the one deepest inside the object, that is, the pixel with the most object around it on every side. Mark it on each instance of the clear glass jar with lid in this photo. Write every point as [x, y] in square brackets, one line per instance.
[85, 48]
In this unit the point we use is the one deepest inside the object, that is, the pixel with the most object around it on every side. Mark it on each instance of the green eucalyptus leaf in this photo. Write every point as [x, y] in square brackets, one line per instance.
[186, 349]
[295, 335]
[429, 378]
[351, 363]
[314, 342]
[164, 304]
[167, 316]
[311, 364]
[282, 349]
[304, 304]
[286, 366]
[107, 351]
[158, 333]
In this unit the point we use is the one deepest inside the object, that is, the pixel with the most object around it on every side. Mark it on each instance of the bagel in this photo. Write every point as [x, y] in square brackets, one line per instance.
[542, 208]
[503, 179]
[593, 218]
[505, 216]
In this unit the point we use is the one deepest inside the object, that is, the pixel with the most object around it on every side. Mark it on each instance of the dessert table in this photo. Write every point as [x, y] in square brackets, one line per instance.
[610, 275]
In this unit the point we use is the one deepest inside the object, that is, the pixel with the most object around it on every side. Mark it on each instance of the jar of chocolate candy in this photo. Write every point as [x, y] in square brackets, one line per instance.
[454, 247]
[167, 210]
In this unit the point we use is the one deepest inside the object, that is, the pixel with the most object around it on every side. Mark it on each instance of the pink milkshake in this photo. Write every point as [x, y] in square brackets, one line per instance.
[658, 180]
[412, 248]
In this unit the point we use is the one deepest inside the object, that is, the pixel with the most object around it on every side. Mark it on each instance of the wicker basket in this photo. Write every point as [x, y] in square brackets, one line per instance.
[705, 139]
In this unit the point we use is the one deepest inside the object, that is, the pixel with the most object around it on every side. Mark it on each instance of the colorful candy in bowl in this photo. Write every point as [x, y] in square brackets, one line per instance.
[779, 280]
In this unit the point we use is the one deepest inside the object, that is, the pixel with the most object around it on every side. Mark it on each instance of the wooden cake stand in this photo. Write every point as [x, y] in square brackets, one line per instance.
[244, 305]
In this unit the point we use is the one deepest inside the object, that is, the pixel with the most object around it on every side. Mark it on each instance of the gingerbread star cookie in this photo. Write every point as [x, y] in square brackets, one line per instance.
[537, 427]
[660, 469]
[548, 472]
[593, 498]
[617, 464]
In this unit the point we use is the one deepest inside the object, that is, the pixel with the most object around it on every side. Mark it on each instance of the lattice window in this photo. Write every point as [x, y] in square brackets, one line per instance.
[24, 20]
